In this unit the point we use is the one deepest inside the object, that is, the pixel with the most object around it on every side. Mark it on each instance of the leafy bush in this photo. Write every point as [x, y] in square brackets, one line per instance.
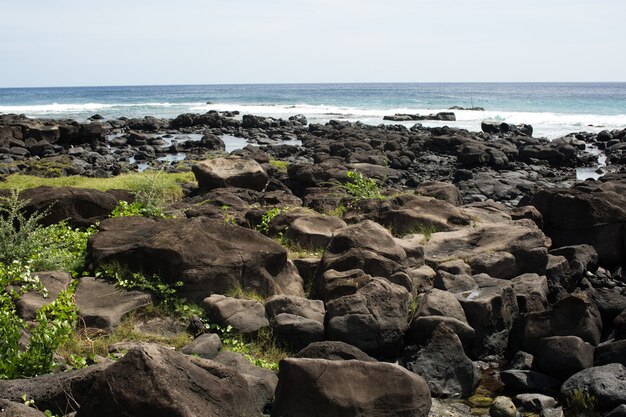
[264, 226]
[52, 326]
[17, 229]
[24, 239]
[125, 209]
[61, 247]
[361, 187]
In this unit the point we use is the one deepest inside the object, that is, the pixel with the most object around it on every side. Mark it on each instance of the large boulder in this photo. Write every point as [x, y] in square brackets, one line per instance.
[604, 386]
[574, 315]
[563, 356]
[366, 246]
[81, 207]
[443, 364]
[522, 239]
[318, 387]
[491, 311]
[230, 172]
[154, 381]
[372, 315]
[586, 214]
[207, 256]
[313, 231]
[59, 392]
[296, 321]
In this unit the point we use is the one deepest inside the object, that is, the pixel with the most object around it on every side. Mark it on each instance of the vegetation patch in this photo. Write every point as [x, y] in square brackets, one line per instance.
[168, 184]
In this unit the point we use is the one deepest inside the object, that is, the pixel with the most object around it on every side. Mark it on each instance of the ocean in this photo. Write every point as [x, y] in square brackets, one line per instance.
[553, 109]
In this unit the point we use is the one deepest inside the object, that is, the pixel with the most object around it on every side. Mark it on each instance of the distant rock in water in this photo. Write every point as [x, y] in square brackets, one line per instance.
[445, 116]
[497, 127]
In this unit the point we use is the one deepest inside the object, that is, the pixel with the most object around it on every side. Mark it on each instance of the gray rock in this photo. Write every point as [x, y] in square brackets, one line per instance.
[502, 407]
[230, 172]
[318, 387]
[60, 393]
[313, 231]
[531, 291]
[619, 411]
[140, 384]
[102, 305]
[206, 346]
[611, 352]
[444, 365]
[54, 282]
[563, 356]
[535, 402]
[373, 317]
[262, 381]
[605, 385]
[13, 409]
[334, 351]
[530, 381]
[245, 316]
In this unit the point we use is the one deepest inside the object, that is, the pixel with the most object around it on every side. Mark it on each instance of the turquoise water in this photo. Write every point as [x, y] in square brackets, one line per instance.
[554, 109]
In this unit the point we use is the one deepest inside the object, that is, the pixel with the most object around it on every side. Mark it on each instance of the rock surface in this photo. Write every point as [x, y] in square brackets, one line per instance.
[314, 387]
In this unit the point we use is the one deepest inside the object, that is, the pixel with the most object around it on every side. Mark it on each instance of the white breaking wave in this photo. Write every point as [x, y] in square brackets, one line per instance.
[547, 124]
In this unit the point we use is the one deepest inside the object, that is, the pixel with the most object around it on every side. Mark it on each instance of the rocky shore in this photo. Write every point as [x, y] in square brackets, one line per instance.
[406, 271]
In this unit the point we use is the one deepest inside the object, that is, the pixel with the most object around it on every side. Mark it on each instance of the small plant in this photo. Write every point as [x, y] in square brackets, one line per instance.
[238, 292]
[582, 400]
[228, 217]
[61, 247]
[264, 226]
[262, 350]
[413, 306]
[138, 209]
[281, 166]
[361, 187]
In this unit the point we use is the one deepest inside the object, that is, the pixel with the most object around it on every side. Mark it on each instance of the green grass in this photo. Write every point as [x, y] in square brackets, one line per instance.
[91, 342]
[248, 294]
[281, 166]
[170, 182]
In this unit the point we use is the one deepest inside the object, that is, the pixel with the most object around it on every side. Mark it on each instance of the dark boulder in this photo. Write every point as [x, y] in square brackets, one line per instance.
[604, 385]
[207, 256]
[443, 364]
[318, 387]
[140, 384]
[81, 207]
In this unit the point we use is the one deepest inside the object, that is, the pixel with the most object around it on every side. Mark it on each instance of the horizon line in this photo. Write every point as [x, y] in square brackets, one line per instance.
[312, 83]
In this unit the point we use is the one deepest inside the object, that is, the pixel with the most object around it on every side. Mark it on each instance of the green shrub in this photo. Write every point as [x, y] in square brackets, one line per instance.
[60, 247]
[24, 239]
[52, 326]
[361, 187]
[17, 229]
[126, 209]
[264, 226]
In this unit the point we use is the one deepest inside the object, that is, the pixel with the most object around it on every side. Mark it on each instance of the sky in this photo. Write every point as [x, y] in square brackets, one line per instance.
[152, 42]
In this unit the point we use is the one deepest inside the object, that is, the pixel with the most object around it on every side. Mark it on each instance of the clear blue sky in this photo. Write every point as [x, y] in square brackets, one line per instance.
[115, 42]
